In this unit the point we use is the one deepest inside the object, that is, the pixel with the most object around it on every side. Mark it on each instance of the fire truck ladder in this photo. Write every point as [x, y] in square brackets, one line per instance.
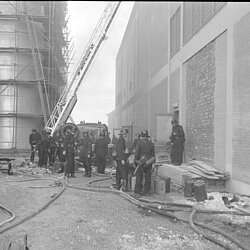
[68, 97]
[37, 63]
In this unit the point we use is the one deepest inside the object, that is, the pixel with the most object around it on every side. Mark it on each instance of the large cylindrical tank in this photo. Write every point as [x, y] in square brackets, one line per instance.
[20, 105]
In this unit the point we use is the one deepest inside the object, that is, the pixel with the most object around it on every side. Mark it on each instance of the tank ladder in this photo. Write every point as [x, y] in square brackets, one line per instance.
[68, 98]
[36, 55]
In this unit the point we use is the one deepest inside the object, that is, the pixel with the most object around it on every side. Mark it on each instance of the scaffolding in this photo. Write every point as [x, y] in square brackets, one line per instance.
[36, 49]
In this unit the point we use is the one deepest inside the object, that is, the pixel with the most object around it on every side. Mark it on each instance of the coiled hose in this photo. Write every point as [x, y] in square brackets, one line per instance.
[140, 204]
[186, 208]
[22, 220]
[13, 216]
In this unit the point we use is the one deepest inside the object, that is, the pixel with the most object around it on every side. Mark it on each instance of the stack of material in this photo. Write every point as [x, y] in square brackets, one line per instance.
[215, 179]
[202, 169]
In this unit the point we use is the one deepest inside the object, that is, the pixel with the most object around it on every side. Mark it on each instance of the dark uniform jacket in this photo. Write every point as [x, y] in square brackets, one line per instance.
[120, 149]
[177, 135]
[133, 147]
[85, 147]
[114, 140]
[52, 142]
[69, 143]
[101, 147]
[44, 144]
[34, 138]
[145, 148]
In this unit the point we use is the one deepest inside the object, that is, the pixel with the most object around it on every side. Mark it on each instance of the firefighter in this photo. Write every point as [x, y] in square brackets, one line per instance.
[101, 151]
[143, 159]
[69, 151]
[133, 147]
[120, 158]
[114, 139]
[43, 149]
[177, 140]
[52, 150]
[59, 150]
[34, 139]
[85, 154]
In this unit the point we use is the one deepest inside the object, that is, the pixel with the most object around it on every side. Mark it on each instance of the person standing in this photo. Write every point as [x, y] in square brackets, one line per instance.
[121, 157]
[85, 154]
[69, 152]
[177, 140]
[143, 160]
[52, 150]
[114, 139]
[101, 151]
[59, 150]
[43, 149]
[133, 147]
[34, 139]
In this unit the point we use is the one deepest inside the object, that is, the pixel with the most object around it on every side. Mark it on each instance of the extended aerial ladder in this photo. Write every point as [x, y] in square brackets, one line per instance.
[68, 98]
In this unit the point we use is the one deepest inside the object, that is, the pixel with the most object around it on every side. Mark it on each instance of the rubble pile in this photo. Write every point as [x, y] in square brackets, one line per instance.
[19, 166]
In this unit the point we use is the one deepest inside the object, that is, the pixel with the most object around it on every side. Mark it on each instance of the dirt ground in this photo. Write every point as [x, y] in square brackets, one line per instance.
[85, 220]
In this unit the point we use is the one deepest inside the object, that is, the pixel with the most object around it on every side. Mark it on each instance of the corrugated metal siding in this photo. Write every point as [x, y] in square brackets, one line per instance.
[158, 103]
[207, 11]
[159, 37]
[172, 35]
[219, 5]
[143, 45]
[174, 87]
[196, 15]
[178, 29]
[187, 21]
[175, 33]
[241, 101]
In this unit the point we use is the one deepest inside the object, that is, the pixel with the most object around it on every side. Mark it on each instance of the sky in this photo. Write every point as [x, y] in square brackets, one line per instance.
[96, 95]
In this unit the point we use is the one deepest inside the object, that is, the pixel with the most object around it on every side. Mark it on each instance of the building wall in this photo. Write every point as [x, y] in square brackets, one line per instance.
[139, 59]
[201, 72]
[220, 90]
[241, 101]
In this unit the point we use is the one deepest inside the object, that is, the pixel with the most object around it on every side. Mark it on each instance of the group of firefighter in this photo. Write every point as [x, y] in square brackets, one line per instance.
[63, 149]
[143, 158]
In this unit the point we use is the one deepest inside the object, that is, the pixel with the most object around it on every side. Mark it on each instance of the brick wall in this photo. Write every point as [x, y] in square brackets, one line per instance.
[200, 83]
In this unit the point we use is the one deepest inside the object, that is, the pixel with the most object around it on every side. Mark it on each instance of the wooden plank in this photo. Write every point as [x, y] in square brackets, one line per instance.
[176, 174]
[205, 166]
[202, 169]
[200, 173]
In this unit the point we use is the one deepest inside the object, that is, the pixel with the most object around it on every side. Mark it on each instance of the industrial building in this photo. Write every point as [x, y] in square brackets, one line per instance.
[35, 53]
[189, 60]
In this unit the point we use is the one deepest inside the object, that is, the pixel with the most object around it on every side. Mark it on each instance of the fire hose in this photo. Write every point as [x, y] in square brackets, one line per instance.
[191, 221]
[22, 220]
[164, 212]
[10, 212]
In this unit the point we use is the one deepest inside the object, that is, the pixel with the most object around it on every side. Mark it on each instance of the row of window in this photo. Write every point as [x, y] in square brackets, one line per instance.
[195, 16]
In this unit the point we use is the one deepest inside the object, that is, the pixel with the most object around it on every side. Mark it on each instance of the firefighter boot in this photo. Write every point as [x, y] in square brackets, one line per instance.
[89, 173]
